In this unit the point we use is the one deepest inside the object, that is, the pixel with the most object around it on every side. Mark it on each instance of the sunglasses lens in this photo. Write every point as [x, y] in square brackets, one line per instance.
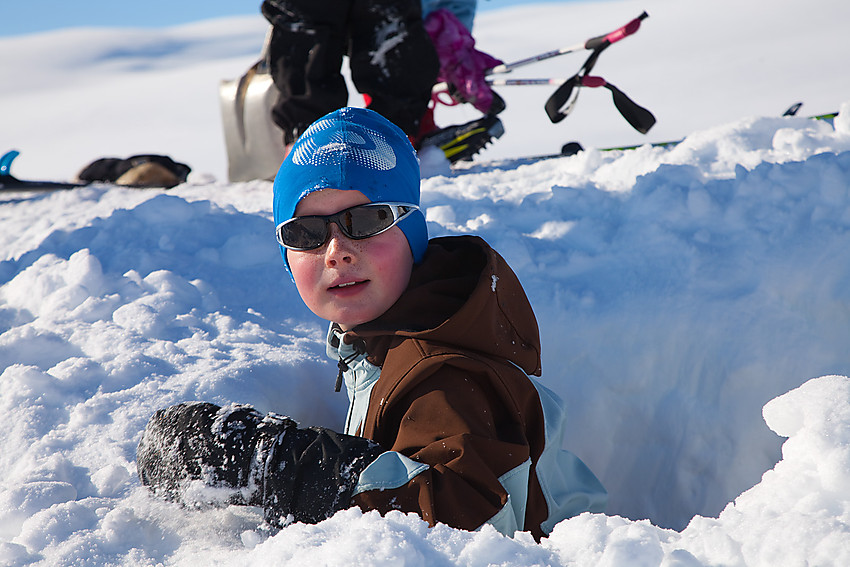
[304, 233]
[363, 222]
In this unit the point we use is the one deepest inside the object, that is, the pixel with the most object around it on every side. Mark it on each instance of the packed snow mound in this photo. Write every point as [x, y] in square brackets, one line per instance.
[676, 296]
[799, 514]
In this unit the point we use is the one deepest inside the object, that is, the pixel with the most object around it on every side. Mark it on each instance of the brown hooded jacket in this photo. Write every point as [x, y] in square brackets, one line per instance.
[455, 352]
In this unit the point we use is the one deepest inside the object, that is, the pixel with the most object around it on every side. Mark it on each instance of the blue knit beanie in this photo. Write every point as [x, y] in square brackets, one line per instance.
[353, 148]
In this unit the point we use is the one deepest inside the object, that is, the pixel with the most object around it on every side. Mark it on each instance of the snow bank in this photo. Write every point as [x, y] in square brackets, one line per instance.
[798, 515]
[671, 312]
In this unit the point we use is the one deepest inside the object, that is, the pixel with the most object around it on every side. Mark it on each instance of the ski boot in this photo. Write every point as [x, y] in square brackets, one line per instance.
[461, 142]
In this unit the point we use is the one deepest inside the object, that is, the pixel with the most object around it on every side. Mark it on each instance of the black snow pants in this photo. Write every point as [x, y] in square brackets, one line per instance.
[391, 57]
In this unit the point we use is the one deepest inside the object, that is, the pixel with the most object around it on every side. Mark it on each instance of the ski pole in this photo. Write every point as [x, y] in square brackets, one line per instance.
[563, 100]
[640, 118]
[497, 82]
[596, 43]
[599, 42]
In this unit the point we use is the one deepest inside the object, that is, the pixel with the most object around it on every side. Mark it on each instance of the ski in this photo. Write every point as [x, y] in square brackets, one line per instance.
[672, 143]
[573, 148]
[139, 171]
[9, 182]
[12, 183]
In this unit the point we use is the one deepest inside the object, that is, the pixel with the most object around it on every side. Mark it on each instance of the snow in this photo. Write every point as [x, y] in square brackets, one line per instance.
[694, 301]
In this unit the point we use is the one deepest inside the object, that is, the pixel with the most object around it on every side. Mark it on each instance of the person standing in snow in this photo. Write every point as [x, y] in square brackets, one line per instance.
[436, 344]
[393, 60]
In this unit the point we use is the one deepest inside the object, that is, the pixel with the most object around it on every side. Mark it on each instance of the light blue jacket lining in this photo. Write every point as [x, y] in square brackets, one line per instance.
[511, 518]
[389, 470]
[569, 486]
[359, 380]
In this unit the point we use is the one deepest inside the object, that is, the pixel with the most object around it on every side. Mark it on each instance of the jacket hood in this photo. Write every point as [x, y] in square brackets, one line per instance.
[465, 295]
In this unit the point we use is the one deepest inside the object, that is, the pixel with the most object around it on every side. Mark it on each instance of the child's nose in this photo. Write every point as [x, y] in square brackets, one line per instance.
[340, 247]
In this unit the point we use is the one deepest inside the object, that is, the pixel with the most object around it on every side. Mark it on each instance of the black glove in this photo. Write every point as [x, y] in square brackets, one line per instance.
[259, 460]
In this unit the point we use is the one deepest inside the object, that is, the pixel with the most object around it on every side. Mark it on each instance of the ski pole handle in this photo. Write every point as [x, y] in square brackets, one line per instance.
[616, 35]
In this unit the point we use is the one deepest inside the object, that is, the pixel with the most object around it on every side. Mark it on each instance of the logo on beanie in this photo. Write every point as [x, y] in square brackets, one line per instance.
[364, 146]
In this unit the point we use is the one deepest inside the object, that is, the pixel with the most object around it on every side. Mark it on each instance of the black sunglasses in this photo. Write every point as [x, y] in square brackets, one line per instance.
[357, 223]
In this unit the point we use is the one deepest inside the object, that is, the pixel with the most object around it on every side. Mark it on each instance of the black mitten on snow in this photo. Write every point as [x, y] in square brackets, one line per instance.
[258, 460]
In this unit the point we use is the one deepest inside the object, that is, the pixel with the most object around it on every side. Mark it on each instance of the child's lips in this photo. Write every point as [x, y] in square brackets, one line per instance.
[348, 286]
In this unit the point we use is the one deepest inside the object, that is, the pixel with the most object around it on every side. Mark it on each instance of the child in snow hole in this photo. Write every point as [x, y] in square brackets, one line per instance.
[436, 344]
